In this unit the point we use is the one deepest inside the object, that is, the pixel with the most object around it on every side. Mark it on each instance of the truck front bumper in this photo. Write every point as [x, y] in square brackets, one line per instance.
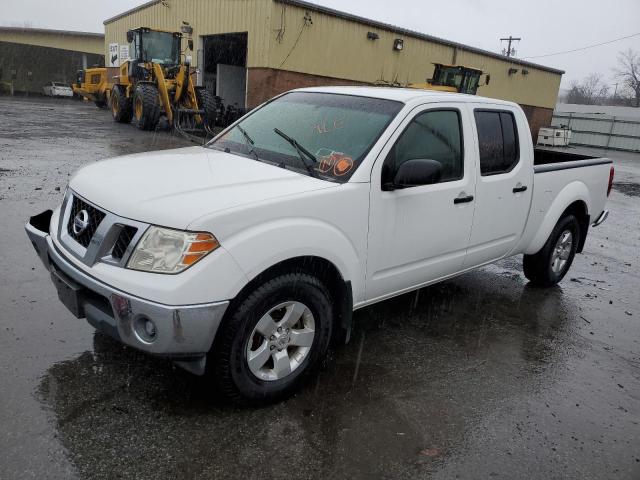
[183, 332]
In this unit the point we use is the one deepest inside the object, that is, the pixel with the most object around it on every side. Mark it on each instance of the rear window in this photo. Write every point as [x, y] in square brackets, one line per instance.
[498, 141]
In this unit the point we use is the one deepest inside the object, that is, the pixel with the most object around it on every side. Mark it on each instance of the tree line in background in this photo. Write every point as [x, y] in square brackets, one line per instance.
[593, 89]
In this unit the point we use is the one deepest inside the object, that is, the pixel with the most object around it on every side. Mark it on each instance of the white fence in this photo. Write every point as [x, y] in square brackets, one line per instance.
[603, 131]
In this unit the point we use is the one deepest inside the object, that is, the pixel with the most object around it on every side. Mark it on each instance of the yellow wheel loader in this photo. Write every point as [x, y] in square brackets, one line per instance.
[453, 78]
[156, 81]
[93, 85]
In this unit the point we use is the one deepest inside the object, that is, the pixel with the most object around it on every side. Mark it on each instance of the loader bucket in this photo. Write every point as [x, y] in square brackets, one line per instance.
[189, 123]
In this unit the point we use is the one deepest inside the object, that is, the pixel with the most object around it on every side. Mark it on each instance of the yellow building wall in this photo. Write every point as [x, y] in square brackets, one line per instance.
[207, 17]
[54, 39]
[339, 48]
[333, 47]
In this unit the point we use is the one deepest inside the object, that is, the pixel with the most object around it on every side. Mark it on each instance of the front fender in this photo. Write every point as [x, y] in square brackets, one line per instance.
[573, 192]
[266, 244]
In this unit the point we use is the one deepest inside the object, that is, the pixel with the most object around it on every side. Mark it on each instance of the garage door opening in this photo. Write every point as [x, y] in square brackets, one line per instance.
[225, 67]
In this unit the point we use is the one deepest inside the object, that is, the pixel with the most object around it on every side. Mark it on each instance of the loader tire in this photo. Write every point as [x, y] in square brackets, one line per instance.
[207, 102]
[146, 106]
[120, 105]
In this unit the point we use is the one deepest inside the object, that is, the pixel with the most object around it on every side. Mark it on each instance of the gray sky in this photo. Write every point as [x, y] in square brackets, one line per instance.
[546, 26]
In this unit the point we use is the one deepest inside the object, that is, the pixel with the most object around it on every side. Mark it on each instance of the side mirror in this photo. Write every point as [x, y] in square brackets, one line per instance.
[190, 44]
[486, 79]
[413, 173]
[129, 36]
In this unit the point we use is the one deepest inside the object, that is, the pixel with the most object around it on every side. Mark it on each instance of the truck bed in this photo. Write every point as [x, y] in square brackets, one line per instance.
[546, 160]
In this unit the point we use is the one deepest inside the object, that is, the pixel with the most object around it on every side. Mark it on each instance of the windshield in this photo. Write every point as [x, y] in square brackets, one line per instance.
[58, 84]
[161, 47]
[336, 130]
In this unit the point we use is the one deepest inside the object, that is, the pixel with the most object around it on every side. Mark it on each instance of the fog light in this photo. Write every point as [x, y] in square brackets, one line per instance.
[145, 329]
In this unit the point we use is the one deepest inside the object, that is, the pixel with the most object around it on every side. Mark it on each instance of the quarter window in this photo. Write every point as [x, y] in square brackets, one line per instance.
[431, 135]
[498, 141]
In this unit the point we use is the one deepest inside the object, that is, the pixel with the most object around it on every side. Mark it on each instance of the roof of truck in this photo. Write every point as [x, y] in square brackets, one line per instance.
[406, 95]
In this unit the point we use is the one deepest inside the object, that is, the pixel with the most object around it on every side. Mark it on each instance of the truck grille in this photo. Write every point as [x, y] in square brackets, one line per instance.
[93, 217]
[124, 239]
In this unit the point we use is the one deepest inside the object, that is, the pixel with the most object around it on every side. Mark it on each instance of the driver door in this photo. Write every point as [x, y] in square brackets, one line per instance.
[419, 234]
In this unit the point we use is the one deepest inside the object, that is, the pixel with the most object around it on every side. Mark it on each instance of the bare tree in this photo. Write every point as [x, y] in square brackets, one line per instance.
[628, 72]
[590, 91]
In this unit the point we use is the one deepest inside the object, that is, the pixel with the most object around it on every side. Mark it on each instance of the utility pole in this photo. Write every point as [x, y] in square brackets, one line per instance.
[509, 52]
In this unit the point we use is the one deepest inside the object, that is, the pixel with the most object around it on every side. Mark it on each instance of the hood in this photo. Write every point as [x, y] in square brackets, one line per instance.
[174, 187]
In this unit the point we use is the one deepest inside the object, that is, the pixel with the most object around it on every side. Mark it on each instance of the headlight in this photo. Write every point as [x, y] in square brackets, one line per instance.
[162, 250]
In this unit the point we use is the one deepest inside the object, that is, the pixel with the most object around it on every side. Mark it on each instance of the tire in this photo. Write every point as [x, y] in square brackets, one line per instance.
[120, 105]
[228, 360]
[146, 106]
[547, 267]
[207, 102]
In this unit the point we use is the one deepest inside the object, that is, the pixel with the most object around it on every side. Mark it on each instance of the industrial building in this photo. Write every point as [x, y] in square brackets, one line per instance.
[33, 57]
[247, 51]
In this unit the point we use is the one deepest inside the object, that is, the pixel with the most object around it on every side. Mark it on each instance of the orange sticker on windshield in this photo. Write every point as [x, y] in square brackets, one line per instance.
[343, 166]
[340, 163]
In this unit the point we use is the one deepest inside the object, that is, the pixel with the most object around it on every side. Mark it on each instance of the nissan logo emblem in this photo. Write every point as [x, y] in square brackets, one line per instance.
[80, 222]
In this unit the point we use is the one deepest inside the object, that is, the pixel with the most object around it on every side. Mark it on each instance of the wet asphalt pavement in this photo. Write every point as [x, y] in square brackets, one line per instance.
[478, 377]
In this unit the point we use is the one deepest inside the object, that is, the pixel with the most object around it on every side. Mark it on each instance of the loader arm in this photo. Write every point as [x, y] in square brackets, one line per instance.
[163, 92]
[184, 84]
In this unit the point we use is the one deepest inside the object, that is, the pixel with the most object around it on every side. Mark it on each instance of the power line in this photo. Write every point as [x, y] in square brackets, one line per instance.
[583, 48]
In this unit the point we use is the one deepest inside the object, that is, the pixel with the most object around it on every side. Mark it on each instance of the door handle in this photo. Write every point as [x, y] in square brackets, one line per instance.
[519, 188]
[463, 199]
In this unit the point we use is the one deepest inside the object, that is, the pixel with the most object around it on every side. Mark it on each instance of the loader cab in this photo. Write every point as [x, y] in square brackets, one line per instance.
[154, 46]
[459, 78]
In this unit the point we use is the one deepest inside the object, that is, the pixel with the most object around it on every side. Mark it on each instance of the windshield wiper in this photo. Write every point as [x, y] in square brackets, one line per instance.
[302, 152]
[249, 141]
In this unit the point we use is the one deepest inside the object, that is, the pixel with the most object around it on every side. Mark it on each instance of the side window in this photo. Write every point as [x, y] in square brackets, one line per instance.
[432, 135]
[498, 141]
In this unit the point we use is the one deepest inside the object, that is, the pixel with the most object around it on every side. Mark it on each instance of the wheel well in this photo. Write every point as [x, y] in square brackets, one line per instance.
[326, 272]
[579, 210]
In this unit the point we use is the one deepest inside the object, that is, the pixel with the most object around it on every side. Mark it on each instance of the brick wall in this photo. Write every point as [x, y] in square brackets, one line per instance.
[538, 117]
[265, 83]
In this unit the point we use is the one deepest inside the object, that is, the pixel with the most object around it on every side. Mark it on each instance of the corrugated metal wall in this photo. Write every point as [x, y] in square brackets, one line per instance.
[207, 17]
[334, 47]
[55, 39]
[337, 47]
[603, 131]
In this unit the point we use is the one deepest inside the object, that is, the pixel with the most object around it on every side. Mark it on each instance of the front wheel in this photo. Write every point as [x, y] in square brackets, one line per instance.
[273, 339]
[547, 267]
[146, 106]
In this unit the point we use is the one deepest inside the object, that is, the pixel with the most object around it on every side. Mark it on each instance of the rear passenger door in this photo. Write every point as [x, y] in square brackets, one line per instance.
[503, 185]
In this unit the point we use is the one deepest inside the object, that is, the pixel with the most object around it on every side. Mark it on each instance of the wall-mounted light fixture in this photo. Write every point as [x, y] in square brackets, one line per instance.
[373, 36]
[186, 28]
[398, 44]
[513, 71]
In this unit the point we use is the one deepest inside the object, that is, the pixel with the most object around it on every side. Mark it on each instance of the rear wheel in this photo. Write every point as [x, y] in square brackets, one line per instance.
[120, 105]
[146, 106]
[273, 339]
[547, 267]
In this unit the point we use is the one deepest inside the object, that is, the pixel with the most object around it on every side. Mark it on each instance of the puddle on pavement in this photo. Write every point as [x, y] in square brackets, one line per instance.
[387, 404]
[628, 188]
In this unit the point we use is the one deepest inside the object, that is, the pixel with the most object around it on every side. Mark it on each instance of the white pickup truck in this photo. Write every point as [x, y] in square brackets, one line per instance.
[245, 258]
